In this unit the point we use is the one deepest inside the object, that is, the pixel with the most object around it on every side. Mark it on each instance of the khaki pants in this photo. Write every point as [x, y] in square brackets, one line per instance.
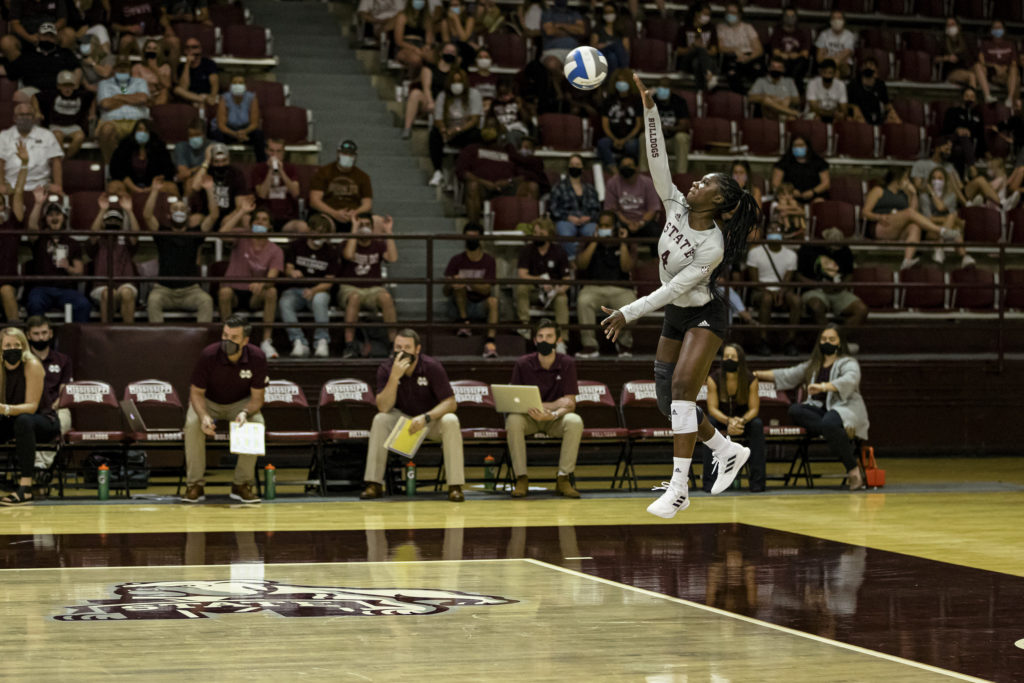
[195, 443]
[526, 293]
[569, 427]
[588, 305]
[191, 298]
[446, 430]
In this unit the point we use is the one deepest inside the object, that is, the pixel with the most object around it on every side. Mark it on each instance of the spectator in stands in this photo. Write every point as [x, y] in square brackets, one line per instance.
[744, 178]
[740, 49]
[458, 26]
[12, 215]
[545, 262]
[804, 169]
[114, 257]
[316, 259]
[471, 299]
[531, 167]
[997, 63]
[45, 156]
[554, 373]
[228, 182]
[276, 184]
[511, 112]
[562, 28]
[96, 61]
[178, 254]
[792, 45]
[574, 206]
[956, 58]
[833, 407]
[414, 36]
[621, 119]
[826, 95]
[342, 190]
[141, 157]
[252, 257]
[698, 46]
[788, 212]
[836, 43]
[432, 82]
[25, 417]
[58, 366]
[198, 82]
[123, 100]
[37, 66]
[379, 17]
[675, 122]
[190, 154]
[27, 19]
[528, 18]
[136, 21]
[67, 112]
[633, 199]
[830, 261]
[611, 263]
[155, 70]
[942, 152]
[608, 37]
[414, 385]
[181, 12]
[964, 125]
[238, 118]
[939, 202]
[228, 383]
[54, 255]
[776, 93]
[363, 260]
[733, 406]
[483, 79]
[457, 114]
[771, 265]
[869, 98]
[489, 170]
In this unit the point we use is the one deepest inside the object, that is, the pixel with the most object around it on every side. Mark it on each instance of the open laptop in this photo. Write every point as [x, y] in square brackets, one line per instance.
[135, 421]
[515, 398]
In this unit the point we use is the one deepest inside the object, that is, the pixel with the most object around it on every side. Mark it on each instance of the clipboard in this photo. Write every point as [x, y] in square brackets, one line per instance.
[247, 439]
[403, 443]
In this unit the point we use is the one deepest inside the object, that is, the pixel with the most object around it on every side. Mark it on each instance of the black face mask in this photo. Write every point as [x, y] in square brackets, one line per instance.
[472, 245]
[39, 345]
[543, 348]
[46, 47]
[867, 73]
[575, 172]
[775, 74]
[12, 356]
[229, 347]
[827, 82]
[627, 171]
[450, 59]
[730, 365]
[149, 55]
[539, 243]
[828, 349]
[411, 357]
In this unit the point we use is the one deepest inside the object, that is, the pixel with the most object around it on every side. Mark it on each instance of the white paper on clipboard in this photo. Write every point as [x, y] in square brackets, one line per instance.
[247, 439]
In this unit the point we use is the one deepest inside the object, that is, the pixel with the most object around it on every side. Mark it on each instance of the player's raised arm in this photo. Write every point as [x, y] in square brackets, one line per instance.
[654, 142]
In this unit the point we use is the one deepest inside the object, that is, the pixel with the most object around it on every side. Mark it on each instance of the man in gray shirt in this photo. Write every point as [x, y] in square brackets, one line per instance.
[776, 93]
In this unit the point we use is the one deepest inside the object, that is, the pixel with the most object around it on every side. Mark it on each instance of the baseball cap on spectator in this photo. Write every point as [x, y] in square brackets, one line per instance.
[65, 78]
[113, 217]
[348, 147]
[219, 150]
[47, 27]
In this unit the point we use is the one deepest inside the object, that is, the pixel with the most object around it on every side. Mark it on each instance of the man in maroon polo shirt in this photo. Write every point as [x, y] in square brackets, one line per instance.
[227, 384]
[555, 375]
[412, 384]
[57, 366]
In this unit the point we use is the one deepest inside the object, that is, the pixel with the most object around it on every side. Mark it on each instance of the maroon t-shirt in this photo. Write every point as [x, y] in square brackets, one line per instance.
[554, 262]
[998, 52]
[133, 12]
[419, 392]
[226, 382]
[484, 162]
[44, 257]
[557, 381]
[466, 269]
[365, 263]
[58, 371]
[795, 41]
[9, 248]
[281, 205]
[323, 262]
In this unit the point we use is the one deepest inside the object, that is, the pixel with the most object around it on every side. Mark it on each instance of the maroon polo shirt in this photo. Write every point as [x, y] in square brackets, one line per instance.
[467, 269]
[365, 263]
[58, 371]
[419, 392]
[557, 381]
[554, 262]
[226, 382]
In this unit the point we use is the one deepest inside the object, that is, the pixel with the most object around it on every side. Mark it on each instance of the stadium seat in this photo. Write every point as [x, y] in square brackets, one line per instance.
[972, 9]
[995, 113]
[714, 134]
[644, 423]
[346, 410]
[846, 188]
[508, 50]
[937, 111]
[1015, 225]
[270, 93]
[815, 132]
[83, 175]
[930, 8]
[226, 15]
[601, 421]
[646, 277]
[916, 66]
[762, 136]
[171, 120]
[903, 141]
[853, 139]
[505, 213]
[878, 38]
[911, 110]
[97, 423]
[206, 35]
[855, 6]
[833, 214]
[725, 104]
[83, 209]
[930, 295]
[995, 145]
[882, 57]
[249, 42]
[925, 41]
[774, 413]
[694, 101]
[662, 28]
[480, 423]
[565, 132]
[651, 55]
[290, 424]
[6, 117]
[876, 298]
[811, 5]
[982, 224]
[684, 181]
[290, 123]
[1013, 289]
[974, 289]
[160, 408]
[7, 89]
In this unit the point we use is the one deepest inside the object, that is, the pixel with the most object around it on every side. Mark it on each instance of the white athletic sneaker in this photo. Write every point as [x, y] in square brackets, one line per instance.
[967, 261]
[436, 179]
[299, 349]
[322, 349]
[268, 349]
[728, 464]
[672, 501]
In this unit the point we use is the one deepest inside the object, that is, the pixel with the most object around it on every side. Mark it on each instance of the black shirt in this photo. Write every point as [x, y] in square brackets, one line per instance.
[804, 176]
[672, 112]
[38, 70]
[872, 101]
[32, 13]
[623, 113]
[199, 76]
[176, 256]
[604, 265]
[807, 261]
[961, 117]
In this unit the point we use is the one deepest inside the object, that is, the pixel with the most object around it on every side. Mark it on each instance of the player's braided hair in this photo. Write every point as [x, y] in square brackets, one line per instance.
[743, 216]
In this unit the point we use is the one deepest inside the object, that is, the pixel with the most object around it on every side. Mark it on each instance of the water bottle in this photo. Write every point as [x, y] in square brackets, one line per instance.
[410, 479]
[103, 481]
[271, 483]
[489, 473]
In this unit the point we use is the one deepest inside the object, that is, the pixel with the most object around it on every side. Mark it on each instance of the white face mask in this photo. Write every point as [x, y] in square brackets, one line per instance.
[457, 88]
[238, 89]
[837, 24]
[179, 217]
[483, 63]
[938, 184]
[610, 17]
[346, 160]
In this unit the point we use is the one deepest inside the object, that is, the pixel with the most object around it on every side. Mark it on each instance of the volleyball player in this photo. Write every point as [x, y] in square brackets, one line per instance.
[697, 243]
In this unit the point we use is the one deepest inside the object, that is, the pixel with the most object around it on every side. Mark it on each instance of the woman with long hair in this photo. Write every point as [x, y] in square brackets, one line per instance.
[155, 70]
[24, 417]
[457, 115]
[697, 244]
[141, 158]
[733, 405]
[833, 407]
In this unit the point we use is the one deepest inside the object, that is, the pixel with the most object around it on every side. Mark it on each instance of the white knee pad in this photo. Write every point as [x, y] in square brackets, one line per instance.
[684, 417]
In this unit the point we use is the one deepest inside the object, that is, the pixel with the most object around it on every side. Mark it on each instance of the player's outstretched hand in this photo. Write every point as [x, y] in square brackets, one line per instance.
[645, 94]
[613, 324]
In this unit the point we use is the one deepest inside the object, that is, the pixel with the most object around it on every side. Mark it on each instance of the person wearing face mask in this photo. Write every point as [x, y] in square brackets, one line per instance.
[470, 297]
[415, 35]
[457, 114]
[66, 112]
[458, 26]
[378, 18]
[769, 264]
[27, 18]
[277, 187]
[238, 118]
[733, 406]
[488, 170]
[955, 59]
[964, 125]
[675, 122]
[634, 200]
[413, 385]
[547, 263]
[792, 45]
[836, 43]
[228, 383]
[698, 46]
[140, 158]
[228, 182]
[12, 215]
[489, 17]
[869, 98]
[939, 202]
[54, 256]
[609, 263]
[829, 260]
[116, 251]
[362, 271]
[189, 154]
[740, 48]
[135, 22]
[826, 95]
[177, 251]
[433, 78]
[562, 28]
[802, 168]
[342, 190]
[609, 37]
[620, 120]
[942, 153]
[776, 93]
[997, 63]
[58, 366]
[554, 373]
[483, 79]
[122, 101]
[155, 70]
[25, 417]
[199, 80]
[43, 164]
[96, 60]
[252, 257]
[38, 65]
[315, 259]
[833, 407]
[574, 205]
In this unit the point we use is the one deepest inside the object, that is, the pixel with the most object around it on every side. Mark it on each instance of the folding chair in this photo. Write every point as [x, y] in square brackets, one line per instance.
[344, 404]
[289, 424]
[602, 423]
[93, 404]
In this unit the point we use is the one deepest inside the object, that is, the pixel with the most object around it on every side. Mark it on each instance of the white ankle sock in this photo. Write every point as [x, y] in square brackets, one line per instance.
[717, 442]
[681, 471]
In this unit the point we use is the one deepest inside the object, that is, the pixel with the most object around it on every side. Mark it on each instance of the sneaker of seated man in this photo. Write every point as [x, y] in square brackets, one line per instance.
[555, 375]
[362, 285]
[413, 385]
[470, 296]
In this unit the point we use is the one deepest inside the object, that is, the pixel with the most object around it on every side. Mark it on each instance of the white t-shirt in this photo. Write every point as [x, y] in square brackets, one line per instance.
[42, 146]
[828, 99]
[761, 257]
[381, 9]
[835, 43]
[457, 113]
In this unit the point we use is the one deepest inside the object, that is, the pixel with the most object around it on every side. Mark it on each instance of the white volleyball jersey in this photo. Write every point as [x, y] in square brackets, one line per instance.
[687, 257]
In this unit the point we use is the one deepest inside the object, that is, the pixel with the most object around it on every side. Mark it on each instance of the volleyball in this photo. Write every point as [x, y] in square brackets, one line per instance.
[585, 67]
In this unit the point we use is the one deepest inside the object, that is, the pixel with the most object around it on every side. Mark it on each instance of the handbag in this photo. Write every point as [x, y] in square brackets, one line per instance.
[873, 475]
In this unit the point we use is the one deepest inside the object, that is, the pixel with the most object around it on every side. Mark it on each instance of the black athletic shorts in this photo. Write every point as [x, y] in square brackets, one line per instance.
[711, 316]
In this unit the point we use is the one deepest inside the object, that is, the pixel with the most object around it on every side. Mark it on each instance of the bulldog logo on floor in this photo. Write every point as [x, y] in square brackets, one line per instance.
[203, 599]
